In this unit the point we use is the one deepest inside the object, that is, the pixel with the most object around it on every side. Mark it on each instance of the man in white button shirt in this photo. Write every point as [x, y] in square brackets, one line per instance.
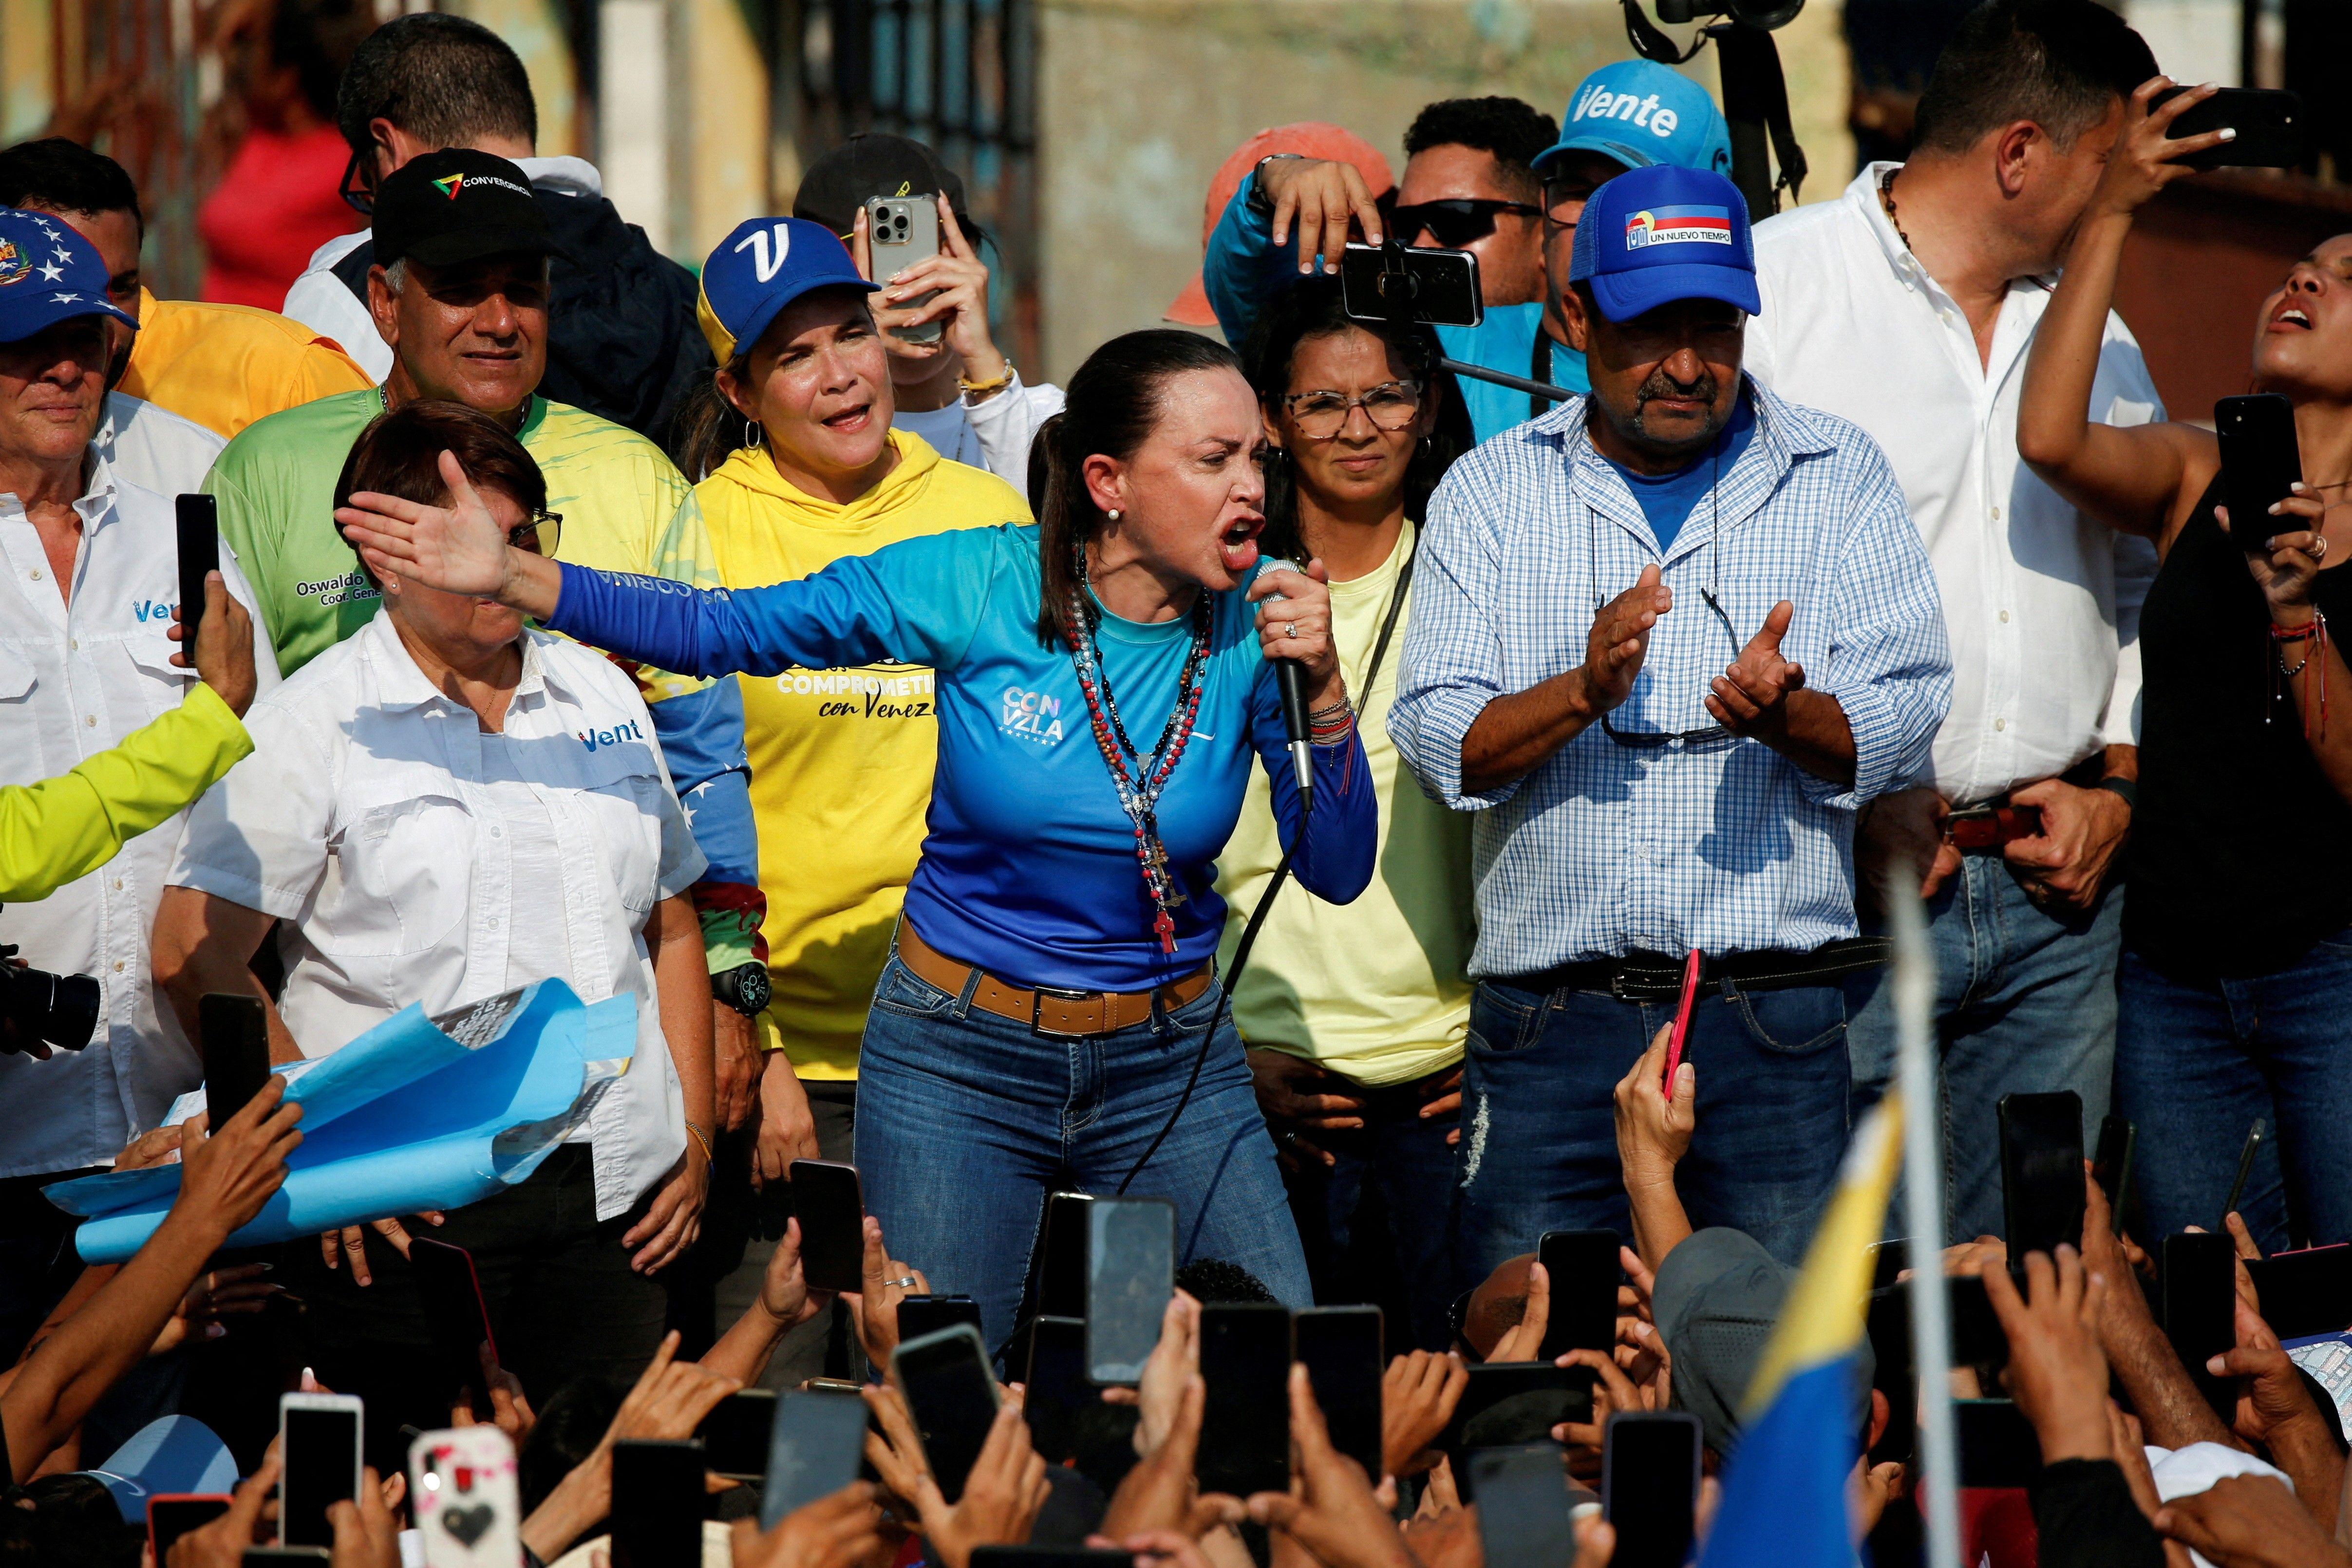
[88, 573]
[1908, 305]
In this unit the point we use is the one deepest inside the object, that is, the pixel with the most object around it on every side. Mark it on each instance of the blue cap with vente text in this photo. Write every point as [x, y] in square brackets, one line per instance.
[1654, 235]
[761, 268]
[1643, 114]
[48, 273]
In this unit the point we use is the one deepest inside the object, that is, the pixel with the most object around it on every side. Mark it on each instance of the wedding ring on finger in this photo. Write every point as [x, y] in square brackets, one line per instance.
[2318, 550]
[1289, 630]
[904, 1281]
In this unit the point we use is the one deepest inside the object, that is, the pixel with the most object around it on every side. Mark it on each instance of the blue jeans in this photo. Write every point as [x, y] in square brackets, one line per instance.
[2196, 1060]
[2025, 1004]
[1538, 1124]
[1407, 1161]
[966, 1121]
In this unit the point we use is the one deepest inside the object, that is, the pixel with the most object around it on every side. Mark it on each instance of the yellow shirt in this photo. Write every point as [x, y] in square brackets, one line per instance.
[1375, 989]
[226, 366]
[841, 760]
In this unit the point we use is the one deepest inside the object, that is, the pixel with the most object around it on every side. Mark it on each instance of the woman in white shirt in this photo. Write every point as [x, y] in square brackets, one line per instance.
[447, 807]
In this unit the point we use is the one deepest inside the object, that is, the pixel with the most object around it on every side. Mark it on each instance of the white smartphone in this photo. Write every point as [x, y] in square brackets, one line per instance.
[462, 1491]
[899, 232]
[318, 1446]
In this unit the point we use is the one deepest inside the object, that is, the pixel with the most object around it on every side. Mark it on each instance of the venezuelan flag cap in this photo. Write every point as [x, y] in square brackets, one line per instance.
[762, 267]
[457, 205]
[48, 273]
[1652, 236]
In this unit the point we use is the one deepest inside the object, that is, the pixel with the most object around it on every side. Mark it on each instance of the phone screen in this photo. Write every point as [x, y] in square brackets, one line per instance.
[952, 1399]
[1523, 1513]
[1062, 1272]
[1439, 287]
[1246, 1419]
[1130, 1274]
[198, 519]
[658, 1504]
[1057, 1387]
[1978, 1338]
[1515, 1403]
[322, 1468]
[2042, 1172]
[1649, 1482]
[735, 1434]
[453, 1315]
[170, 1518]
[831, 1212]
[1997, 1448]
[1341, 1348]
[816, 1445]
[920, 1315]
[1583, 1269]
[232, 1034]
[2305, 1292]
[2200, 1295]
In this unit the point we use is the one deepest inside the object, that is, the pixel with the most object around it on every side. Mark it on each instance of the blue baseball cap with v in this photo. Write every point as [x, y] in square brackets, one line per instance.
[1651, 237]
[1643, 114]
[48, 273]
[762, 267]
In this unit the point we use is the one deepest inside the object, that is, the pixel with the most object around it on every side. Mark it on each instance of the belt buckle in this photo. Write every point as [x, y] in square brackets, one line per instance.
[1037, 1000]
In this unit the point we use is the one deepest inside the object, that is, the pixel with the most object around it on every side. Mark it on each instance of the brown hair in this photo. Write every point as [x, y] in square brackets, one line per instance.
[399, 454]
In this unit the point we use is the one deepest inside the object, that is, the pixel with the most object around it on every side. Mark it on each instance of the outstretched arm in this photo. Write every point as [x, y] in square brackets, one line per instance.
[2139, 479]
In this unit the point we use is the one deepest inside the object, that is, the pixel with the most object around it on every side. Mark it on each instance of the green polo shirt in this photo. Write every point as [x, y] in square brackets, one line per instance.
[625, 507]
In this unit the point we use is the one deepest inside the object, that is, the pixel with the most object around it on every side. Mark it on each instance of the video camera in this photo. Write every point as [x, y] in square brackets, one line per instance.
[38, 1006]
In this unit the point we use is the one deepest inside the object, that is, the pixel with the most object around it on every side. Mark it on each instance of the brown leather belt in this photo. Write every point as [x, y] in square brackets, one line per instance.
[1990, 829]
[1076, 1015]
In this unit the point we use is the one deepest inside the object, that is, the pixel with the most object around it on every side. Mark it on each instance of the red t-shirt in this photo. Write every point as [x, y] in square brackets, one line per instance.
[276, 205]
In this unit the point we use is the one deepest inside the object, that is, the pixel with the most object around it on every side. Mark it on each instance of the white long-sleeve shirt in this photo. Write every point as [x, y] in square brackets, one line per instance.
[2042, 602]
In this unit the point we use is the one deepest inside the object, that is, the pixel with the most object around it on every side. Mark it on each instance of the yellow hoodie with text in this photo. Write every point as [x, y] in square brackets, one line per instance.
[841, 760]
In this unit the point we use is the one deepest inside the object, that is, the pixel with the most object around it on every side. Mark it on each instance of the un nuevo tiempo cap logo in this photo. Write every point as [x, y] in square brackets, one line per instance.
[1678, 226]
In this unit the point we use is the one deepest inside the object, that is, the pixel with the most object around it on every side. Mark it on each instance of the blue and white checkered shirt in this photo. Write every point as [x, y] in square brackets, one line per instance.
[1605, 847]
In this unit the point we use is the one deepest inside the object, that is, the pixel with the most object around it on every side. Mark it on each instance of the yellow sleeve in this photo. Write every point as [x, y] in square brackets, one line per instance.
[66, 827]
[326, 369]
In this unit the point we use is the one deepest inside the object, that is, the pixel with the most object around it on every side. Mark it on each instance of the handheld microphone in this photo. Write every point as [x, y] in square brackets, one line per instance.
[1290, 678]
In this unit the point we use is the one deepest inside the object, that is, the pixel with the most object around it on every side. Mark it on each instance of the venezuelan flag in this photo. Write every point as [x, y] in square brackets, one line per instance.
[1784, 1488]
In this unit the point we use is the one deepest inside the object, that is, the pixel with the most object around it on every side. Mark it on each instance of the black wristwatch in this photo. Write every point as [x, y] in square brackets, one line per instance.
[1257, 201]
[743, 988]
[2125, 789]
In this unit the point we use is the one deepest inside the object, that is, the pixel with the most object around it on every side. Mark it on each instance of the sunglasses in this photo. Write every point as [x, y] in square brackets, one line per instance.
[539, 536]
[352, 187]
[1455, 222]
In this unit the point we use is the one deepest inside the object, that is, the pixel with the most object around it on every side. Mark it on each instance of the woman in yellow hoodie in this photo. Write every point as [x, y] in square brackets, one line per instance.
[800, 468]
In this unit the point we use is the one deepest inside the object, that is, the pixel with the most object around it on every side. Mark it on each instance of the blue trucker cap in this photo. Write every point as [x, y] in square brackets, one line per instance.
[48, 273]
[1654, 235]
[1643, 114]
[761, 268]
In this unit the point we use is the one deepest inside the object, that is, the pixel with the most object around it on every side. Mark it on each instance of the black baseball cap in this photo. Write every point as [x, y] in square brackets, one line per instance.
[457, 206]
[873, 164]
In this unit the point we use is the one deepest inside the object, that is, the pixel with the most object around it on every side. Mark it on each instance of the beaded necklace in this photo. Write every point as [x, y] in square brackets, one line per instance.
[1139, 791]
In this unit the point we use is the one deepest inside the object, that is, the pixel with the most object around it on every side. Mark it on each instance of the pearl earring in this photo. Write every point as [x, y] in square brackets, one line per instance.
[1113, 513]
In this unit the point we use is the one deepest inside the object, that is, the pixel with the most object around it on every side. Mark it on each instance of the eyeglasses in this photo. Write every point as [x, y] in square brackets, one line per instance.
[539, 535]
[1455, 222]
[1713, 734]
[352, 187]
[1320, 415]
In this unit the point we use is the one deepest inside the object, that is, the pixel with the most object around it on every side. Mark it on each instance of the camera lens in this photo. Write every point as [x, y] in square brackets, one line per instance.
[61, 1010]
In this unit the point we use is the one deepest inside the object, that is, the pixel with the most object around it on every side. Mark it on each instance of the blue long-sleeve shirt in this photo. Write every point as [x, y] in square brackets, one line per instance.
[1028, 868]
[1244, 269]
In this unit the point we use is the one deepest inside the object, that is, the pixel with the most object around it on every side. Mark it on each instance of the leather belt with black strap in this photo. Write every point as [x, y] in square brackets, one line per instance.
[1657, 977]
[1075, 1015]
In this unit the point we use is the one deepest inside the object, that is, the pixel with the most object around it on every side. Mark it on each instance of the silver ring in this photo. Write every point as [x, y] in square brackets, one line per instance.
[2319, 547]
[903, 1281]
[1288, 630]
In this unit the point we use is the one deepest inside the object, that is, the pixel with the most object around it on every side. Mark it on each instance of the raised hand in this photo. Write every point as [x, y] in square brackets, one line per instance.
[2146, 158]
[1751, 697]
[1620, 639]
[1321, 197]
[458, 548]
[2287, 567]
[876, 1307]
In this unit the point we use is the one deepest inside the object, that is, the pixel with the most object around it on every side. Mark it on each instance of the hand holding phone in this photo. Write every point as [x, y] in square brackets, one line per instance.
[1581, 1268]
[816, 1442]
[232, 1037]
[2268, 124]
[1340, 1348]
[455, 1317]
[319, 1449]
[899, 232]
[198, 520]
[1692, 967]
[658, 1500]
[1130, 1274]
[1649, 1485]
[951, 1398]
[2198, 1274]
[2041, 1172]
[1244, 1444]
[831, 1207]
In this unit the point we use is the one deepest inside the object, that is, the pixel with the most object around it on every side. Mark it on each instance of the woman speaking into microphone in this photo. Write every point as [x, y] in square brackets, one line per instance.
[1103, 684]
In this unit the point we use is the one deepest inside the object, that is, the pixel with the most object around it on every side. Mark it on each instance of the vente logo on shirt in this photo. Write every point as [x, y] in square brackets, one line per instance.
[145, 610]
[1032, 715]
[595, 739]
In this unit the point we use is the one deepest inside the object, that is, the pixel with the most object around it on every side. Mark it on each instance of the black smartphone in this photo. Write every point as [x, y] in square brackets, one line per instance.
[2269, 123]
[2111, 1167]
[1414, 283]
[2198, 1271]
[1978, 1338]
[736, 1436]
[2261, 462]
[1583, 1267]
[2306, 1293]
[658, 1504]
[1997, 1448]
[1515, 1403]
[2041, 1172]
[951, 1398]
[1057, 1387]
[172, 1515]
[2246, 1153]
[319, 1442]
[1649, 1485]
[454, 1315]
[1523, 1511]
[199, 523]
[1246, 1419]
[1341, 1348]
[831, 1212]
[920, 1315]
[232, 1037]
[1130, 1274]
[1062, 1255]
[816, 1444]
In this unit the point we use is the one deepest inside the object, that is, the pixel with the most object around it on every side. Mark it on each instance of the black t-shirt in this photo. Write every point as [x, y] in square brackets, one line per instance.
[2241, 853]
